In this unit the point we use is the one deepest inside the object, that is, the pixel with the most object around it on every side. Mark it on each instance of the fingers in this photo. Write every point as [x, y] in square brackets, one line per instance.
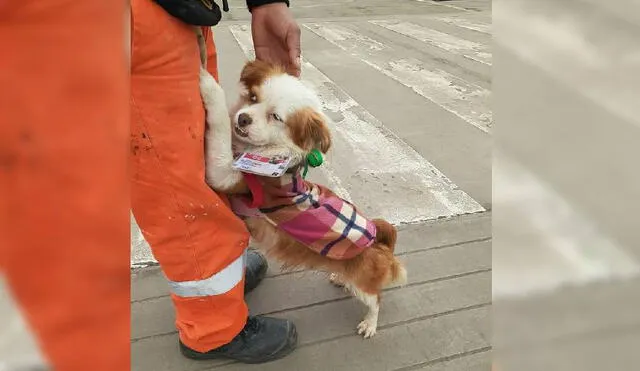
[296, 67]
[293, 47]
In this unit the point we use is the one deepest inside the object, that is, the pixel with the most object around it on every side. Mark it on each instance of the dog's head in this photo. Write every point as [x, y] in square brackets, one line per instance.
[277, 110]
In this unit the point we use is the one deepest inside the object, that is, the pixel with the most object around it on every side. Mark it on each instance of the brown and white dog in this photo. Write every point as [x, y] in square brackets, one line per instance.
[278, 115]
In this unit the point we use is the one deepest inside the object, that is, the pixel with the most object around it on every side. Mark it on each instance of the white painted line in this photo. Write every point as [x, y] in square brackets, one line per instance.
[443, 4]
[452, 44]
[562, 43]
[385, 177]
[466, 23]
[463, 99]
[551, 243]
[141, 255]
[18, 347]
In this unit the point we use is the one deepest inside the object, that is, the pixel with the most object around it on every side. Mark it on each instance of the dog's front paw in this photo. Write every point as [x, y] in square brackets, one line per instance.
[207, 82]
[367, 328]
[209, 87]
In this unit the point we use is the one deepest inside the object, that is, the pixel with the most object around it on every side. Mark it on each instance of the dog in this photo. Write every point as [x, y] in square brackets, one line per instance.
[277, 115]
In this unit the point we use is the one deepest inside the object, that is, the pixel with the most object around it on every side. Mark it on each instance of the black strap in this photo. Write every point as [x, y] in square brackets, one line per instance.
[194, 12]
[256, 3]
[205, 12]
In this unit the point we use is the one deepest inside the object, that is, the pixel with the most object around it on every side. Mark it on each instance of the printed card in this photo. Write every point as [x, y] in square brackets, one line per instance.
[260, 165]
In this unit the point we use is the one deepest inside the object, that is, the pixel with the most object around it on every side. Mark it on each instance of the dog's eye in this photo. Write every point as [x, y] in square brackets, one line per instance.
[276, 117]
[253, 98]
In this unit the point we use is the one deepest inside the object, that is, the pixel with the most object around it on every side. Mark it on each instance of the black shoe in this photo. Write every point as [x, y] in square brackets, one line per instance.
[256, 269]
[262, 339]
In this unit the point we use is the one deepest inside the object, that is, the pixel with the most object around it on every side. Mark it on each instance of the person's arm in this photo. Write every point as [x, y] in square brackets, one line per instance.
[276, 35]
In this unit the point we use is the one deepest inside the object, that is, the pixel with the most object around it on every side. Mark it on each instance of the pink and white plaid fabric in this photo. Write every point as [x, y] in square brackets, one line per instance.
[313, 215]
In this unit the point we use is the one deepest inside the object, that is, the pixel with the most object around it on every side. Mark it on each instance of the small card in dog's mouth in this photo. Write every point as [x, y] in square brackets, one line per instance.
[273, 166]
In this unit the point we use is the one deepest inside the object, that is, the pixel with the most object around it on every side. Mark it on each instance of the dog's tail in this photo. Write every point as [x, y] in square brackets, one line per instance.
[386, 233]
[386, 237]
[398, 273]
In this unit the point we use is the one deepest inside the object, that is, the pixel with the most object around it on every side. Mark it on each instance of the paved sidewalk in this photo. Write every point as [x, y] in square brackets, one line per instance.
[439, 321]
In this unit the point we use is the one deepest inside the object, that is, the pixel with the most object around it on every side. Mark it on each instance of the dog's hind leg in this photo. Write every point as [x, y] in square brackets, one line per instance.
[369, 324]
[335, 279]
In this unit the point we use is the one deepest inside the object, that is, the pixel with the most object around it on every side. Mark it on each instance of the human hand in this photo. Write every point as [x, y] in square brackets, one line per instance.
[276, 36]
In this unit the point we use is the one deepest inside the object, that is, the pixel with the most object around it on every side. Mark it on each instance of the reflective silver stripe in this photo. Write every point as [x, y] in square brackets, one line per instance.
[217, 284]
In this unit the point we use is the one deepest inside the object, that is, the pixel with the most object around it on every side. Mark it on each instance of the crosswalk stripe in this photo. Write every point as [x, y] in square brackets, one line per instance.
[569, 248]
[561, 44]
[455, 45]
[392, 180]
[466, 23]
[461, 98]
[443, 4]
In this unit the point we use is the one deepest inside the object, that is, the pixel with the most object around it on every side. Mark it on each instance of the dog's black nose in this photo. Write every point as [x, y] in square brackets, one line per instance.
[244, 120]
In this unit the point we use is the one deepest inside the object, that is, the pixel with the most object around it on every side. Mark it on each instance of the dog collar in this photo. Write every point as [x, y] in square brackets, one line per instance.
[257, 193]
[313, 159]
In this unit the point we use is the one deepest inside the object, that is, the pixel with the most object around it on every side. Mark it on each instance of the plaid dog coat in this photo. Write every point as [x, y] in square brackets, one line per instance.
[312, 214]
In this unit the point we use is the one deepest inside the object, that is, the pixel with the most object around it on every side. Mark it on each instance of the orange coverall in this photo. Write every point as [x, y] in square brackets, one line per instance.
[64, 150]
[192, 232]
[64, 187]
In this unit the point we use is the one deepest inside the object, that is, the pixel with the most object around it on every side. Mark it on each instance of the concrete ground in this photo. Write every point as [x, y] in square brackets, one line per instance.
[566, 256]
[407, 84]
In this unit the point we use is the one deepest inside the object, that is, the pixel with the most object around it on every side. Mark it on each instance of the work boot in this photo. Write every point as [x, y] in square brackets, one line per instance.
[262, 339]
[256, 269]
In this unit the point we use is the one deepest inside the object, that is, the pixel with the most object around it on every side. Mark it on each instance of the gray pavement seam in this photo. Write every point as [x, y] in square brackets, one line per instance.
[452, 357]
[140, 266]
[406, 322]
[482, 239]
[149, 298]
[597, 335]
[346, 297]
[396, 324]
[455, 244]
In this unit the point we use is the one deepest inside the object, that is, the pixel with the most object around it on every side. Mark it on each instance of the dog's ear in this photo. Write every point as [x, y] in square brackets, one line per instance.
[255, 72]
[309, 130]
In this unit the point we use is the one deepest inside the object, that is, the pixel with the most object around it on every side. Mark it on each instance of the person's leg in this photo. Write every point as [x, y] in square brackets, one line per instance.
[64, 233]
[199, 243]
[197, 240]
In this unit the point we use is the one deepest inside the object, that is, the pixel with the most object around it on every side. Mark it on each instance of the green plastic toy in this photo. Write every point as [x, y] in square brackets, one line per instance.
[314, 159]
